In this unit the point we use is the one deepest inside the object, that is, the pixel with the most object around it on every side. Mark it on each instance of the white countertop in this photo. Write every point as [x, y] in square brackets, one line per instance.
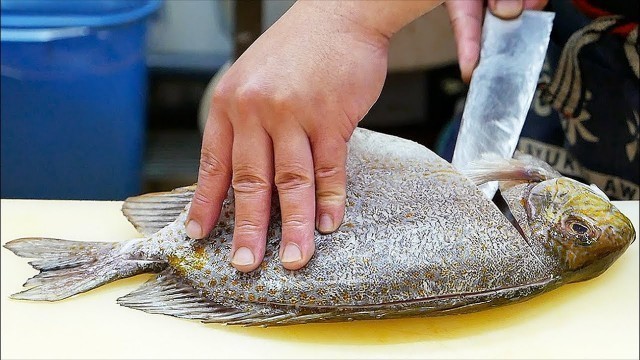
[593, 319]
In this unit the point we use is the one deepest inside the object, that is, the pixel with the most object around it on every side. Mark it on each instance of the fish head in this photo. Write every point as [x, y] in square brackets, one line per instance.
[576, 222]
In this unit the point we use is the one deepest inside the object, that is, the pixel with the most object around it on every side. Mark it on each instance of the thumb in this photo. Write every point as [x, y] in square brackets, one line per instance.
[506, 9]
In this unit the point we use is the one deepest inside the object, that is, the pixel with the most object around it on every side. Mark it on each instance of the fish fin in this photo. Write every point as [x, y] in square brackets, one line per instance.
[167, 294]
[151, 212]
[70, 267]
[520, 168]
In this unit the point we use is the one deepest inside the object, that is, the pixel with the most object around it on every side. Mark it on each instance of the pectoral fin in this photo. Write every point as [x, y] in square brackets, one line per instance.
[521, 168]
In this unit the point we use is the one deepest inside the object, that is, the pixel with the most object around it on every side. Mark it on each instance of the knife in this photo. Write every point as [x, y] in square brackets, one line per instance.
[502, 87]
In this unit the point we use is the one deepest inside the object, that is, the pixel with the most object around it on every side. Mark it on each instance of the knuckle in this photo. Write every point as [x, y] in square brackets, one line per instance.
[220, 94]
[282, 100]
[460, 20]
[247, 226]
[251, 96]
[453, 20]
[329, 172]
[331, 186]
[295, 221]
[246, 180]
[248, 95]
[331, 196]
[292, 178]
[202, 198]
[211, 166]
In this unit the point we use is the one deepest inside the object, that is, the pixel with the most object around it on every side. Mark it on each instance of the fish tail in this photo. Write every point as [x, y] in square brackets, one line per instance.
[70, 267]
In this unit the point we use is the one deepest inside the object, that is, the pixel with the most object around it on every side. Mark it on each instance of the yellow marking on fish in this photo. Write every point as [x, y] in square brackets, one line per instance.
[177, 262]
[192, 262]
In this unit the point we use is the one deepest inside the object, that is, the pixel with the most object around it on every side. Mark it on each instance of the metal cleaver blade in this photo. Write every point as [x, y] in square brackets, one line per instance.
[502, 87]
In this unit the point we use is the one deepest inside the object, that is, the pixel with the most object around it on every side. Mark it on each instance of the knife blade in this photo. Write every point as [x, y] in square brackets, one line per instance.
[502, 87]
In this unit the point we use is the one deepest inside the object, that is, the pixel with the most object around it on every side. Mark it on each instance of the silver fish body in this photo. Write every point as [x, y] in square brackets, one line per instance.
[418, 238]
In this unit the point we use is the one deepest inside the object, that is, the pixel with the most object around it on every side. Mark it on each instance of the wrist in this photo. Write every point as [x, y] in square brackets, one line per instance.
[381, 18]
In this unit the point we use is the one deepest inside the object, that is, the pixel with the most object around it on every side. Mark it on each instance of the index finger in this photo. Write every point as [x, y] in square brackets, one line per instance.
[466, 20]
[214, 177]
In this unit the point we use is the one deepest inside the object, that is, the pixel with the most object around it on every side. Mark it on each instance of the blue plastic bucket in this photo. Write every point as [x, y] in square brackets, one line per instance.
[73, 98]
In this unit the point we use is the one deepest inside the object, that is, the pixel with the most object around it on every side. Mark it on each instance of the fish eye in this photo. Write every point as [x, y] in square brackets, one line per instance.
[579, 228]
[583, 232]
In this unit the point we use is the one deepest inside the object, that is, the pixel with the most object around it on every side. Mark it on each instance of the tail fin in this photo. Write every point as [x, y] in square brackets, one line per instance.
[70, 267]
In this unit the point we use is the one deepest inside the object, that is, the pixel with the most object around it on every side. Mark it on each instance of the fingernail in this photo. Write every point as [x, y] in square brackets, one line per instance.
[508, 9]
[291, 253]
[194, 230]
[243, 257]
[325, 224]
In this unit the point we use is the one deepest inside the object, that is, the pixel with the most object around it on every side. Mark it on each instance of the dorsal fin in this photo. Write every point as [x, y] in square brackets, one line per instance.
[152, 212]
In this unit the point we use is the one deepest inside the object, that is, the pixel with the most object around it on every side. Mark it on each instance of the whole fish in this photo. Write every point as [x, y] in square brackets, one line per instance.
[418, 239]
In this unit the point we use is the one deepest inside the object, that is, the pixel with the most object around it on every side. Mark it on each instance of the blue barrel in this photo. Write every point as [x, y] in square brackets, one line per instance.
[74, 85]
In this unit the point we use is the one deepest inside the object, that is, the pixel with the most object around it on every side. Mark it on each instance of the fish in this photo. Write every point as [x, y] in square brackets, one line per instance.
[418, 239]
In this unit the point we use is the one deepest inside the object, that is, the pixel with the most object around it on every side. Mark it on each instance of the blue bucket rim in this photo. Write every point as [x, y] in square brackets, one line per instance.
[39, 21]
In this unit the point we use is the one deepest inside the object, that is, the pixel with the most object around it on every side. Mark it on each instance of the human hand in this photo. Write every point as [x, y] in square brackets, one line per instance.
[466, 19]
[282, 116]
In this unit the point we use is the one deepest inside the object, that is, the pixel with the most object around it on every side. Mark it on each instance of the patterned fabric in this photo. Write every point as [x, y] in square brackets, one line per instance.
[584, 118]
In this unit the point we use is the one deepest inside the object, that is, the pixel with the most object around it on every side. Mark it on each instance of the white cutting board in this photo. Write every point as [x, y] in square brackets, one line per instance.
[593, 319]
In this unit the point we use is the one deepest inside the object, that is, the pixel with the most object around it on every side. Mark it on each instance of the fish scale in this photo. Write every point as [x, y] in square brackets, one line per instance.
[393, 265]
[418, 239]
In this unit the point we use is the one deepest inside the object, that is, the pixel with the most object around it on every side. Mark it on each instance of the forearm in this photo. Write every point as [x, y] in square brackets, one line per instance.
[384, 17]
